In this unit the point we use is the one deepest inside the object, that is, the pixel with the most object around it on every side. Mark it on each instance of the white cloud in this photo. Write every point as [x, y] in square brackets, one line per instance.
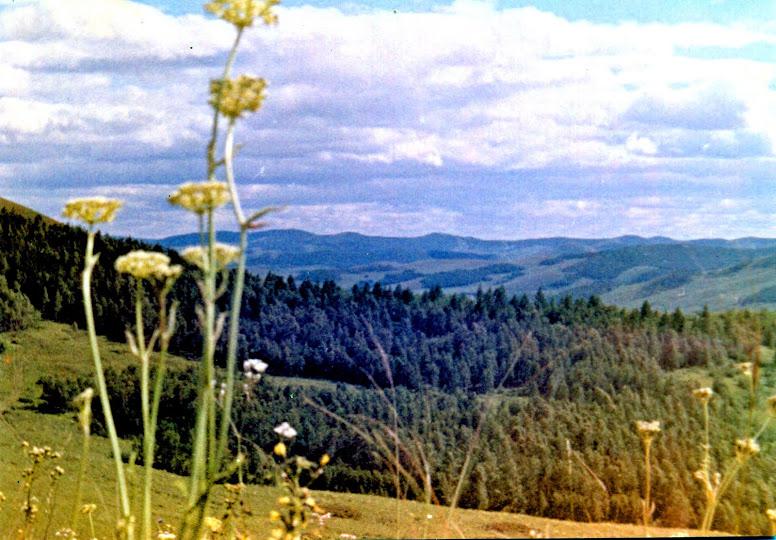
[95, 89]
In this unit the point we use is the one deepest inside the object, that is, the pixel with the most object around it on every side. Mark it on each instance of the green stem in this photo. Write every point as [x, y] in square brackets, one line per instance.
[144, 406]
[712, 508]
[86, 278]
[647, 481]
[81, 476]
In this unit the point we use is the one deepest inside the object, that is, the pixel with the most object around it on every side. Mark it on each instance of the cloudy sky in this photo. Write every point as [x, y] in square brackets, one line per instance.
[495, 119]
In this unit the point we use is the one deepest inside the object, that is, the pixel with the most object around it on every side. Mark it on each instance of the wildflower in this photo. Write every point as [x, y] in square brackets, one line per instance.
[233, 97]
[284, 500]
[198, 256]
[285, 430]
[704, 394]
[148, 265]
[92, 210]
[2, 497]
[325, 458]
[771, 515]
[746, 448]
[165, 535]
[88, 508]
[772, 405]
[745, 368]
[280, 449]
[213, 524]
[646, 429]
[67, 533]
[254, 368]
[276, 533]
[274, 515]
[200, 197]
[242, 13]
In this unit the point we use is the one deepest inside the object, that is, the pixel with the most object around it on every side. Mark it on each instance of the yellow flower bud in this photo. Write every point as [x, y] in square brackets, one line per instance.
[274, 515]
[325, 459]
[284, 500]
[242, 13]
[233, 97]
[199, 197]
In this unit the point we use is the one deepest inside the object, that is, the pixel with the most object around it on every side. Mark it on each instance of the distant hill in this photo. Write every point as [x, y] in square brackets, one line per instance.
[23, 210]
[625, 270]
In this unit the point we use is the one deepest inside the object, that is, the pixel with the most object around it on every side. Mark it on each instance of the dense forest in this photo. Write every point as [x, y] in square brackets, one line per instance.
[546, 389]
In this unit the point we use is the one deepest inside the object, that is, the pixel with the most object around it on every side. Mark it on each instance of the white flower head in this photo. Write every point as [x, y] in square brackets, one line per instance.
[92, 210]
[224, 253]
[254, 365]
[285, 430]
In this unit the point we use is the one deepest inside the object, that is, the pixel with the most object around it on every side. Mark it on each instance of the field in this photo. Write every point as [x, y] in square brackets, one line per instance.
[53, 348]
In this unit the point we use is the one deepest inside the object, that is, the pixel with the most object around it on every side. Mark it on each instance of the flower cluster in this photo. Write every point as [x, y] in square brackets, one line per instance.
[148, 265]
[198, 256]
[746, 448]
[233, 97]
[92, 210]
[704, 394]
[243, 13]
[646, 429]
[285, 430]
[745, 368]
[254, 368]
[201, 197]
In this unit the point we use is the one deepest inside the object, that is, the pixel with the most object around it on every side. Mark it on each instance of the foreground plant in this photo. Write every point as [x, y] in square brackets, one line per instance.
[91, 211]
[647, 432]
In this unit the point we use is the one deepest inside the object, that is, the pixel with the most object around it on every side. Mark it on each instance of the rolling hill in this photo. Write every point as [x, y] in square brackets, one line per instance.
[626, 270]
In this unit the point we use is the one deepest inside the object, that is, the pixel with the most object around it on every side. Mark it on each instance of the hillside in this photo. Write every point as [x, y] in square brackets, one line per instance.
[627, 270]
[55, 349]
[17, 208]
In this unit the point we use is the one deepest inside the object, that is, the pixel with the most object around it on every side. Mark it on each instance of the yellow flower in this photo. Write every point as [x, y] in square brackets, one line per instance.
[2, 497]
[165, 535]
[703, 394]
[212, 524]
[771, 514]
[198, 256]
[274, 515]
[92, 210]
[199, 197]
[648, 429]
[276, 533]
[148, 265]
[324, 459]
[88, 508]
[745, 368]
[284, 500]
[233, 97]
[746, 448]
[242, 13]
[280, 449]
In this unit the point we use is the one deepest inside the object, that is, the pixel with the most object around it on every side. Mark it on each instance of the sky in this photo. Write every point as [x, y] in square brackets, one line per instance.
[499, 119]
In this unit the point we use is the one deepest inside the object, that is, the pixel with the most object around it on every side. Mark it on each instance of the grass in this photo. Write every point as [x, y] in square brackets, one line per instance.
[24, 211]
[56, 349]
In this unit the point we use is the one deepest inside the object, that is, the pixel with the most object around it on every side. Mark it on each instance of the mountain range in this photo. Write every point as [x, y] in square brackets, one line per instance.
[626, 270]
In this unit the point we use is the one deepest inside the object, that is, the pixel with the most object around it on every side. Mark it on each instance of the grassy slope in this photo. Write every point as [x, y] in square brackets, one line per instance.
[54, 348]
[24, 211]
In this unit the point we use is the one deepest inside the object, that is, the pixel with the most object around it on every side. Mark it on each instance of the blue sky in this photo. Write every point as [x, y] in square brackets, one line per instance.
[495, 119]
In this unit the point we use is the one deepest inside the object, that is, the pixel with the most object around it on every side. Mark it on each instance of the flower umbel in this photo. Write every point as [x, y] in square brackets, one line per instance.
[648, 429]
[233, 97]
[242, 13]
[745, 368]
[746, 448]
[92, 210]
[285, 430]
[148, 265]
[198, 256]
[200, 197]
[703, 394]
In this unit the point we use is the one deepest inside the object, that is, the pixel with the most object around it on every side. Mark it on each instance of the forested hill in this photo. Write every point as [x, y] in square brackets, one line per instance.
[723, 274]
[322, 331]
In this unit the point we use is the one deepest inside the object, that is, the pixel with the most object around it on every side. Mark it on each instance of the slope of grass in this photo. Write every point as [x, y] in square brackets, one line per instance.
[24, 211]
[55, 349]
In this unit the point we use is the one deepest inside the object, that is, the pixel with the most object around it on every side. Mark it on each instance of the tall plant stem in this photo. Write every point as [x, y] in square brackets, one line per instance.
[711, 509]
[86, 278]
[148, 442]
[237, 293]
[647, 480]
